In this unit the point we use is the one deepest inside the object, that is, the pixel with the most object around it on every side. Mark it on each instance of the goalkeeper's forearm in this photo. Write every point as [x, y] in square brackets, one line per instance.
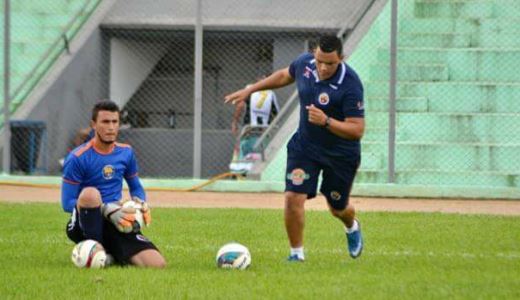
[69, 196]
[136, 188]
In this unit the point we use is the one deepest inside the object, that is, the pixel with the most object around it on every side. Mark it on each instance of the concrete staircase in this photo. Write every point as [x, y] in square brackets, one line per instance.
[458, 94]
[35, 28]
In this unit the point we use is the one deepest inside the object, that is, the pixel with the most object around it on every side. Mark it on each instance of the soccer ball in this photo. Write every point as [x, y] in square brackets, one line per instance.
[233, 256]
[89, 254]
[139, 220]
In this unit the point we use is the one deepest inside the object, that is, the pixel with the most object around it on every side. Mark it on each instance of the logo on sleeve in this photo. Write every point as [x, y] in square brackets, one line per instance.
[360, 105]
[297, 176]
[323, 99]
[108, 172]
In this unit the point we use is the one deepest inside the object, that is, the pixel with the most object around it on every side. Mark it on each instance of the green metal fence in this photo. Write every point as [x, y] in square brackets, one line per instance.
[458, 97]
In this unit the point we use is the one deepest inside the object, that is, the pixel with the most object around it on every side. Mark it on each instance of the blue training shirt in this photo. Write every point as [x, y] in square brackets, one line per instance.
[340, 97]
[85, 166]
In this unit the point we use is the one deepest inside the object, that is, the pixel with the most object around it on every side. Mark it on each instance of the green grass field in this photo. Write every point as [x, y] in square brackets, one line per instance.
[407, 255]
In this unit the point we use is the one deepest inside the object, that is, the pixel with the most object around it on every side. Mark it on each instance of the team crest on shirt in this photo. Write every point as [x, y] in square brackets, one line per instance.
[335, 195]
[108, 172]
[297, 176]
[323, 99]
[307, 72]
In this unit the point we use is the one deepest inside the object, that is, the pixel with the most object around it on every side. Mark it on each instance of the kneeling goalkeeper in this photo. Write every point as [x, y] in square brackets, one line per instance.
[92, 191]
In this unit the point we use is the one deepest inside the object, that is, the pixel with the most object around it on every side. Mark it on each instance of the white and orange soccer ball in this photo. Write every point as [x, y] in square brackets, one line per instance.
[89, 254]
[233, 256]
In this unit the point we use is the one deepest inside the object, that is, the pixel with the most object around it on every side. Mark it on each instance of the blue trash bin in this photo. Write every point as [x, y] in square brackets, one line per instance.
[26, 140]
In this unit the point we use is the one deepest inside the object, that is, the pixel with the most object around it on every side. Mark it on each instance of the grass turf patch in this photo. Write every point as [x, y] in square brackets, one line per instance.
[406, 255]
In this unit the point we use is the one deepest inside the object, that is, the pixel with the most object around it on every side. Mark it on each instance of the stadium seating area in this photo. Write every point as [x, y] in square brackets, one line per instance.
[457, 86]
[36, 27]
[458, 89]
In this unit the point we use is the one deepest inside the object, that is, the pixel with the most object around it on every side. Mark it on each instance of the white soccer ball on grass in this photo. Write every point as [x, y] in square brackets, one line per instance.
[89, 254]
[233, 256]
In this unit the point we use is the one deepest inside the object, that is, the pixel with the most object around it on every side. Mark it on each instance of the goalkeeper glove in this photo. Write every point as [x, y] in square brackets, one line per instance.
[145, 210]
[122, 217]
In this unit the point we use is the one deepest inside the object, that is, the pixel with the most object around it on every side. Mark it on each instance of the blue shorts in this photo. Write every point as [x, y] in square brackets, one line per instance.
[303, 171]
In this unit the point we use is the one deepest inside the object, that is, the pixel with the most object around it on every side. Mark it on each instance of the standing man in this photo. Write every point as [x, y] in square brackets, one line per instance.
[261, 108]
[327, 140]
[92, 189]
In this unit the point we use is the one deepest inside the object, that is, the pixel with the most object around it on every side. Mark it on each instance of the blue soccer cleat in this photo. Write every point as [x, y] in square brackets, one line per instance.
[355, 242]
[295, 258]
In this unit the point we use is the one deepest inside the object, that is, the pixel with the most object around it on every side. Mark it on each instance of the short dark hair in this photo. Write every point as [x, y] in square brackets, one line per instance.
[329, 43]
[106, 105]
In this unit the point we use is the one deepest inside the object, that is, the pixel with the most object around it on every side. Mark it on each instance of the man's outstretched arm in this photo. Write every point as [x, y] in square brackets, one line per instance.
[276, 80]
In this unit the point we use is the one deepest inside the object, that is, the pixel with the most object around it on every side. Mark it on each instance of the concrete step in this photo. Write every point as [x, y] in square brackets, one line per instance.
[376, 134]
[499, 25]
[453, 25]
[16, 80]
[436, 39]
[22, 39]
[403, 104]
[435, 177]
[36, 20]
[58, 21]
[35, 34]
[54, 6]
[504, 39]
[450, 156]
[482, 39]
[28, 48]
[426, 55]
[415, 72]
[499, 129]
[459, 25]
[507, 9]
[456, 97]
[372, 161]
[475, 9]
[22, 65]
[35, 25]
[455, 9]
[464, 64]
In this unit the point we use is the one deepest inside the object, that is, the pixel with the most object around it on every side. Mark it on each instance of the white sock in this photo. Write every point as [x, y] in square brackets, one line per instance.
[298, 251]
[354, 227]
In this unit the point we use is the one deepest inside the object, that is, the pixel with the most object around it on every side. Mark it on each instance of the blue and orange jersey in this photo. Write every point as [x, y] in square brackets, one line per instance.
[86, 166]
[340, 97]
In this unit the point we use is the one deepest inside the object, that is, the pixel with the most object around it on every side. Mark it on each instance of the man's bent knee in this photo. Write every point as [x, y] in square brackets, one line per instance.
[336, 213]
[89, 197]
[348, 211]
[149, 259]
